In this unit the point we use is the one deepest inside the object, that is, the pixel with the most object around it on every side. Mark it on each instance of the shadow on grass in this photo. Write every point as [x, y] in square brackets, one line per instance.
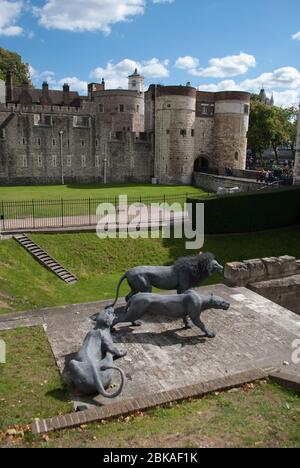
[60, 394]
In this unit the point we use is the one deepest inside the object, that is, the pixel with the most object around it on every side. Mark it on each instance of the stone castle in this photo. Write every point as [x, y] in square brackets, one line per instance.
[162, 135]
[297, 158]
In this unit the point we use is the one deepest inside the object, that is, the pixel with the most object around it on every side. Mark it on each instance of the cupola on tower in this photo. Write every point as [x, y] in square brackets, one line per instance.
[136, 82]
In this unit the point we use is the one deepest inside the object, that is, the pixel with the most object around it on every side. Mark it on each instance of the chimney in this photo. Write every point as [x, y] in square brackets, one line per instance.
[66, 94]
[45, 98]
[9, 87]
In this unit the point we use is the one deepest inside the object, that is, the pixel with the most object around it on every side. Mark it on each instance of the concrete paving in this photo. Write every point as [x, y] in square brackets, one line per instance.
[162, 356]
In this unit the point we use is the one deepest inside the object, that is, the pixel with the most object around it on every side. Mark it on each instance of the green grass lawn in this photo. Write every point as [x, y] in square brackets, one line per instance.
[98, 264]
[71, 192]
[30, 384]
[260, 415]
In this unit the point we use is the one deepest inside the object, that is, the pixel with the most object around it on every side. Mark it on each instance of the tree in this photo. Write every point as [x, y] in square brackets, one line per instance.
[258, 135]
[292, 116]
[11, 61]
[271, 127]
[277, 128]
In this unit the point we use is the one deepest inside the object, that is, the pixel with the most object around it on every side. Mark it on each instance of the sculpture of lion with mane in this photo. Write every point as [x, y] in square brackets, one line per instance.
[185, 274]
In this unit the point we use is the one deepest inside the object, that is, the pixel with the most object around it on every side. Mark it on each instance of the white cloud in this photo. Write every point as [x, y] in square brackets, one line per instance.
[75, 83]
[232, 65]
[284, 83]
[89, 15]
[286, 77]
[10, 13]
[226, 85]
[296, 36]
[187, 63]
[116, 75]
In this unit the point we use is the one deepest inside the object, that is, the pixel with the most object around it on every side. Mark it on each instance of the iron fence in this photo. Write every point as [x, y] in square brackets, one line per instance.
[61, 213]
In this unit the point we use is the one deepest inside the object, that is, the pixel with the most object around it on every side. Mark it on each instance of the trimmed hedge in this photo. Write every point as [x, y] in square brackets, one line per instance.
[250, 212]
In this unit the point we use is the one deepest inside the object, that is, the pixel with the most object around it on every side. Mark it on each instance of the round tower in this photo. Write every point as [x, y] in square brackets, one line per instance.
[232, 110]
[297, 159]
[175, 114]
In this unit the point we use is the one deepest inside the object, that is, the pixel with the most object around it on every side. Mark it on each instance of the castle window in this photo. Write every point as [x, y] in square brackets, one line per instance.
[83, 160]
[236, 156]
[119, 136]
[24, 161]
[122, 108]
[68, 143]
[246, 109]
[192, 132]
[134, 83]
[38, 141]
[204, 109]
[183, 132]
[82, 142]
[54, 160]
[69, 160]
[81, 121]
[169, 106]
[101, 108]
[138, 109]
[42, 120]
[53, 142]
[40, 160]
[168, 132]
[2, 134]
[97, 161]
[23, 141]
[97, 142]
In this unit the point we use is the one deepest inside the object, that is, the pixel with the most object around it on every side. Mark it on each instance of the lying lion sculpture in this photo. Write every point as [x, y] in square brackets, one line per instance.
[92, 369]
[187, 305]
[186, 273]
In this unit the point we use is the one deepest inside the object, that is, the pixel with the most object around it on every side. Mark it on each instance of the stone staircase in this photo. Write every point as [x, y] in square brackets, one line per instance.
[46, 260]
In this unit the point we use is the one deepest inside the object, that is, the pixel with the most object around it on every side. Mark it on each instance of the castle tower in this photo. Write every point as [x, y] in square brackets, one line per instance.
[136, 82]
[175, 114]
[297, 159]
[231, 123]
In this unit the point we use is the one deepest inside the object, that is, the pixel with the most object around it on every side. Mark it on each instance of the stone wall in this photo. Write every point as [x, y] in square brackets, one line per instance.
[211, 183]
[2, 91]
[34, 156]
[276, 278]
[297, 160]
[204, 141]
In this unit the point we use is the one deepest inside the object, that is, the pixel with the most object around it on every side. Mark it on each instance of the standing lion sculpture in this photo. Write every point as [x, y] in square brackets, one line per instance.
[185, 274]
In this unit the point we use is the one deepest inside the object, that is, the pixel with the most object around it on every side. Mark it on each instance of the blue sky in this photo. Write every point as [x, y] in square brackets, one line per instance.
[215, 44]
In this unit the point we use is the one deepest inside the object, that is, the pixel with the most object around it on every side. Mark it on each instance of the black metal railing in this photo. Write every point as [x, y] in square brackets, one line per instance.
[47, 214]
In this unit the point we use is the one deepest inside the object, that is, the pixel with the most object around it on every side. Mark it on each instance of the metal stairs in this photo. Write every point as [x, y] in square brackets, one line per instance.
[46, 260]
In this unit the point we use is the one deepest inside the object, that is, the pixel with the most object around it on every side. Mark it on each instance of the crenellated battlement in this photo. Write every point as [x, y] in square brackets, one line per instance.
[86, 108]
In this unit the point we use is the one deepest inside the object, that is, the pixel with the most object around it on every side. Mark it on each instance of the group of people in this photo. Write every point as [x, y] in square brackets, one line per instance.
[282, 175]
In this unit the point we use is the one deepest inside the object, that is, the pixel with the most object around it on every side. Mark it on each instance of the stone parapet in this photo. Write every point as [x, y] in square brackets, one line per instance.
[256, 270]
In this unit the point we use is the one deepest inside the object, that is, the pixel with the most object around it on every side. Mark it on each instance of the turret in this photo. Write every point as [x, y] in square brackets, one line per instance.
[175, 114]
[231, 123]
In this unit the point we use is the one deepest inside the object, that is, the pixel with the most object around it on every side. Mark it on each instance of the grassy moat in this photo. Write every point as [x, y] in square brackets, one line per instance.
[99, 264]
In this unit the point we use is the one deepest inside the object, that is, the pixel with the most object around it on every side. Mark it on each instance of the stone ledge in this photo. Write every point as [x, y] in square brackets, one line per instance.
[256, 270]
[286, 380]
[148, 401]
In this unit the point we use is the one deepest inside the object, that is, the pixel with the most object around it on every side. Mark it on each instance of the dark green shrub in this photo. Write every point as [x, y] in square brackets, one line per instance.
[250, 212]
